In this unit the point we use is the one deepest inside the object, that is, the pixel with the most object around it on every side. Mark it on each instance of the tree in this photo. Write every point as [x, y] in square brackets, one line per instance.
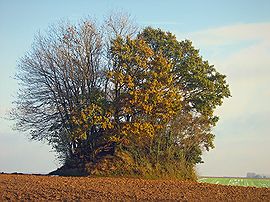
[201, 86]
[111, 100]
[144, 96]
[61, 76]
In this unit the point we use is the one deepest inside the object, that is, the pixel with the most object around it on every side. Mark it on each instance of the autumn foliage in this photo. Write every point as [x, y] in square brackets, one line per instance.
[120, 103]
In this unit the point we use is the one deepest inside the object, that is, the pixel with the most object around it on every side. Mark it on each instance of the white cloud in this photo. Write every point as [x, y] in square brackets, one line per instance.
[233, 34]
[247, 44]
[242, 53]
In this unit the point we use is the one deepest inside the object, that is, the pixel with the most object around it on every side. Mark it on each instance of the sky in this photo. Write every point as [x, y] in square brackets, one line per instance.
[232, 35]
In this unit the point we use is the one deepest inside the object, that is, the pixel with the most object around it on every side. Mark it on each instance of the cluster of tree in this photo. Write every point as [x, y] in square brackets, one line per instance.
[113, 99]
[254, 175]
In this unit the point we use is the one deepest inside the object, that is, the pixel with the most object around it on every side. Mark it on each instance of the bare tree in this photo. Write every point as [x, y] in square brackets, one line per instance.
[58, 76]
[120, 24]
[63, 74]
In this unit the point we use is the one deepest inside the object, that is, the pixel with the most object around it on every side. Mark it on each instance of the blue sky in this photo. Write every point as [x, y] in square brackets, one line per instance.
[232, 35]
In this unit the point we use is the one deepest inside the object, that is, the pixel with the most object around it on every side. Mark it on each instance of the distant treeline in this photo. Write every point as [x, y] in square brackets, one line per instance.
[254, 175]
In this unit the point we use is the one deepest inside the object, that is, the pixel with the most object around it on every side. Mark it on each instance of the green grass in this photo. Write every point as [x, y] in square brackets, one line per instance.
[237, 181]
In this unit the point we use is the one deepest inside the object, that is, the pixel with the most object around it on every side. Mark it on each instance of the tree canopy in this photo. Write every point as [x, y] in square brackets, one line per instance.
[114, 100]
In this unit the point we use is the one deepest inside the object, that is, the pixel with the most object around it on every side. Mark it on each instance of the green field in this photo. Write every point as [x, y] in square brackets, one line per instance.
[236, 181]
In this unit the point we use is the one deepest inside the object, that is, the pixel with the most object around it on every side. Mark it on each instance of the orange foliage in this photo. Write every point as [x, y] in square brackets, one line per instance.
[146, 98]
[82, 121]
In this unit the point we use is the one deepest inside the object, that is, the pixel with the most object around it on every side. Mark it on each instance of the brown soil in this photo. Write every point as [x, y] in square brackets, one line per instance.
[52, 188]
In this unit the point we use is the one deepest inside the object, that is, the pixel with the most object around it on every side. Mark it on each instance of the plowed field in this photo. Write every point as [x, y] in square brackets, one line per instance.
[52, 188]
